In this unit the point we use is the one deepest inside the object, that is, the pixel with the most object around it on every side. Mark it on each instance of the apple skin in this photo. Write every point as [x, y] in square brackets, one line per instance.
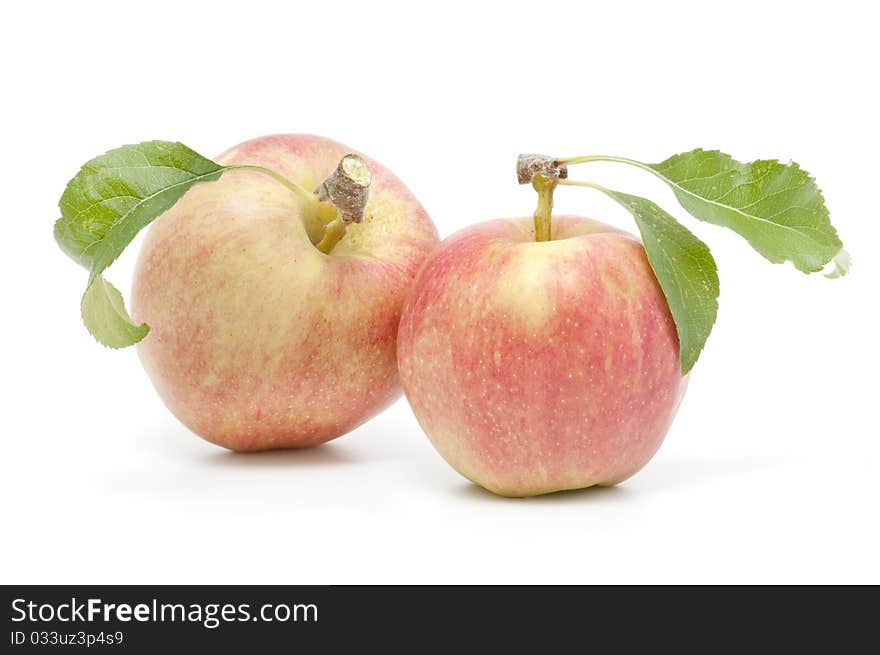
[539, 367]
[258, 340]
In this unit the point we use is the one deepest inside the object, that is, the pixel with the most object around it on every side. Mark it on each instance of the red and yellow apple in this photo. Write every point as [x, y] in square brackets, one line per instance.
[259, 340]
[536, 367]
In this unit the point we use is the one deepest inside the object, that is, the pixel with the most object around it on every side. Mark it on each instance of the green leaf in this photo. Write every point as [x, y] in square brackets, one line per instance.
[110, 200]
[777, 207]
[104, 314]
[74, 240]
[685, 269]
[841, 264]
[119, 193]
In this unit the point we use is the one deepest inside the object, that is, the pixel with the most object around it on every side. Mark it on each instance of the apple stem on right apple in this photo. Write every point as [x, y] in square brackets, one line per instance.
[544, 173]
[545, 186]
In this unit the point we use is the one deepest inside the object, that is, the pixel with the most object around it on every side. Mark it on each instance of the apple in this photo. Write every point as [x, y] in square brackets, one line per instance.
[538, 366]
[258, 339]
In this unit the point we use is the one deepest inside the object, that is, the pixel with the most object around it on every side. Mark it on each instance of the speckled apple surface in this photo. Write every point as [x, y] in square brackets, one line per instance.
[538, 367]
[258, 340]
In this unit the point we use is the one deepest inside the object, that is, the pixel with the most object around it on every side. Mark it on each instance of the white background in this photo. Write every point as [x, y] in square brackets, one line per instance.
[771, 472]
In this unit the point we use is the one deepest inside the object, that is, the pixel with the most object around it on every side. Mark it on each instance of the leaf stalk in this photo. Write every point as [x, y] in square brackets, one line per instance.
[293, 186]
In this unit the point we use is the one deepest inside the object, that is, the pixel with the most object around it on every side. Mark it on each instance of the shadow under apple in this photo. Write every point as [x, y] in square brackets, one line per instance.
[322, 455]
[474, 492]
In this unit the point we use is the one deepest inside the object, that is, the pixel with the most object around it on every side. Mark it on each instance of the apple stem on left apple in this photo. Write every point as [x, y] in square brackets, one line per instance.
[348, 189]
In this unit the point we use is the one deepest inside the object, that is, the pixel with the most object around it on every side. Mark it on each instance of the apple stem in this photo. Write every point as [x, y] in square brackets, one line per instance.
[333, 233]
[348, 189]
[544, 186]
[544, 173]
